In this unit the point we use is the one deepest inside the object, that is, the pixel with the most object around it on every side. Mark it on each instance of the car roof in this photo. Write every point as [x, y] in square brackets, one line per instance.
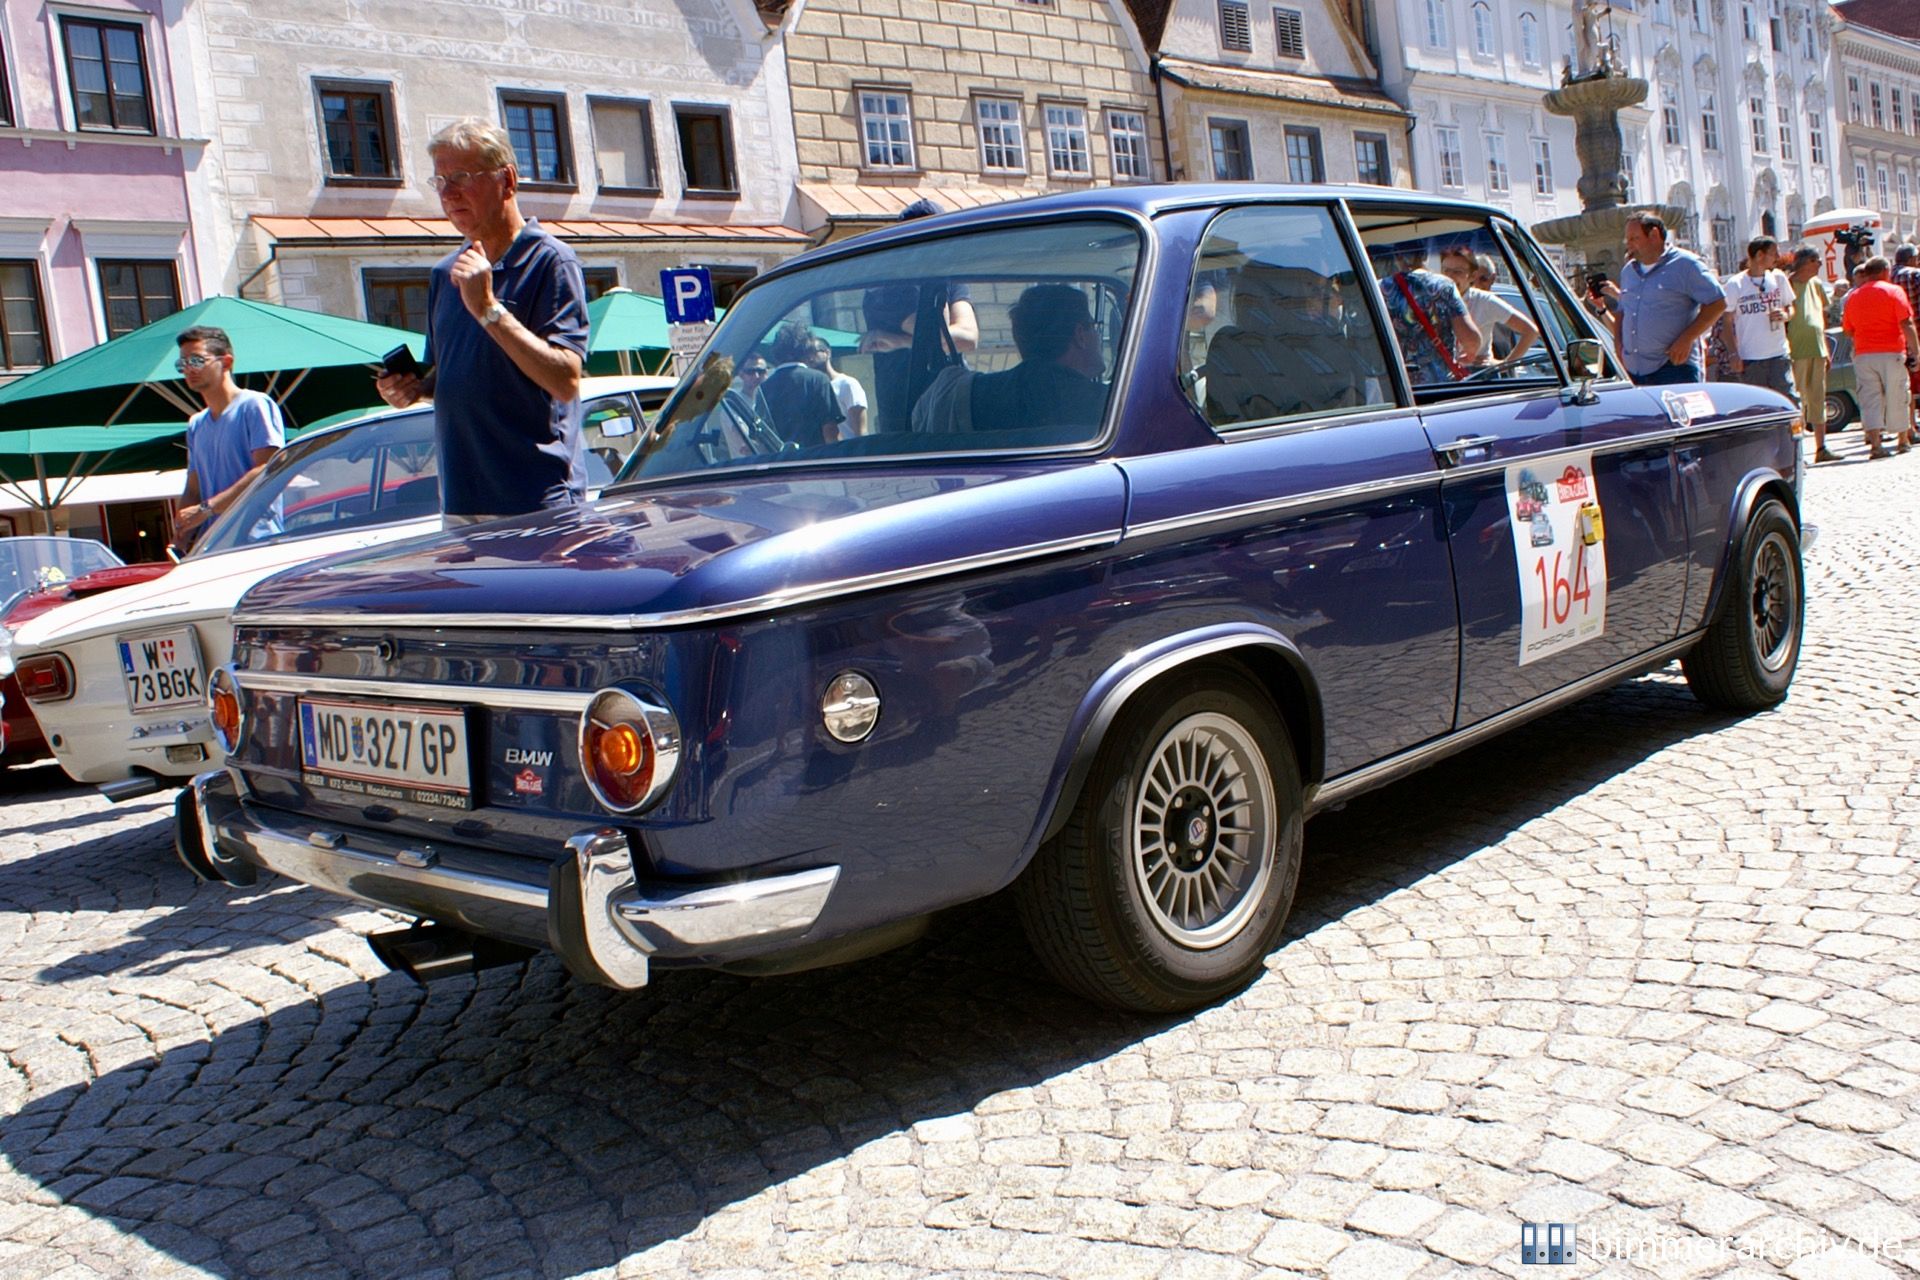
[1147, 200]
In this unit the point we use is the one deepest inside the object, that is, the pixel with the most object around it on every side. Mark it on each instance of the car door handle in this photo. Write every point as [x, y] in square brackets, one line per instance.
[1454, 448]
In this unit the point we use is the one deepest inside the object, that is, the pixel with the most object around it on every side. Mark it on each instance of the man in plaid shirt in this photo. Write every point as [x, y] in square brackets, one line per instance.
[1906, 273]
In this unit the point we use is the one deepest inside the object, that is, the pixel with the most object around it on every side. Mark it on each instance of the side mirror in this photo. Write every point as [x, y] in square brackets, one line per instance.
[1586, 359]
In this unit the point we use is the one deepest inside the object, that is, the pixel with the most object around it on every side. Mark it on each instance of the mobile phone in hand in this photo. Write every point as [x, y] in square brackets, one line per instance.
[400, 361]
[1596, 280]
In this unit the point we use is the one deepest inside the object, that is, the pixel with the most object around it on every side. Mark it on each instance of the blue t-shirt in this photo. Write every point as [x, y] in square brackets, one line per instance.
[220, 449]
[1657, 303]
[506, 446]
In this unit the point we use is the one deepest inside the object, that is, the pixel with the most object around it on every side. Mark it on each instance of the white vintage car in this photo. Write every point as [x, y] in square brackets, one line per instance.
[119, 681]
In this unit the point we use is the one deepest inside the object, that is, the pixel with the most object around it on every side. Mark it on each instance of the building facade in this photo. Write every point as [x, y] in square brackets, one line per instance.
[966, 102]
[648, 136]
[1878, 79]
[97, 153]
[1275, 92]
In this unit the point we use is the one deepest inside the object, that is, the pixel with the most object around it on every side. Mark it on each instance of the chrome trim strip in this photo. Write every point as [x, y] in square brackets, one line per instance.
[1320, 497]
[707, 916]
[565, 701]
[1348, 785]
[683, 617]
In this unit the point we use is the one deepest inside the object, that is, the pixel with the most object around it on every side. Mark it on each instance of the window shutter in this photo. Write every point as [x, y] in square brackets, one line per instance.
[1289, 36]
[1236, 26]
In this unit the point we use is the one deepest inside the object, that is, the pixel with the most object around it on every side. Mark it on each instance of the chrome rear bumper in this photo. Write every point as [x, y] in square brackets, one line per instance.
[588, 905]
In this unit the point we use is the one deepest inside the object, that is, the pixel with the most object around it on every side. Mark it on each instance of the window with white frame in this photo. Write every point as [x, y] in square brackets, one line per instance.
[1746, 22]
[1437, 37]
[1453, 163]
[1883, 185]
[1816, 139]
[1529, 40]
[1757, 122]
[1498, 180]
[1670, 125]
[1859, 182]
[107, 75]
[1003, 143]
[1542, 167]
[1068, 154]
[1811, 54]
[1289, 33]
[886, 125]
[1854, 113]
[1709, 123]
[1906, 192]
[1916, 112]
[1236, 26]
[1127, 140]
[1786, 131]
[1699, 15]
[1482, 29]
[1726, 258]
[1626, 176]
[1876, 105]
[1896, 114]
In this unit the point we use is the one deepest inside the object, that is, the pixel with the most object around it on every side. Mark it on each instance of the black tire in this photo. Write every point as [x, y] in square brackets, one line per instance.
[1746, 660]
[1121, 919]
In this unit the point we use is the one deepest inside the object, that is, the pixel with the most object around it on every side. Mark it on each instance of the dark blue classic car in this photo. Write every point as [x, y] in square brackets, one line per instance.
[1171, 516]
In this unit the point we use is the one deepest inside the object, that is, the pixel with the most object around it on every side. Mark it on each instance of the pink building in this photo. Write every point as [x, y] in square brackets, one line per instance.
[96, 160]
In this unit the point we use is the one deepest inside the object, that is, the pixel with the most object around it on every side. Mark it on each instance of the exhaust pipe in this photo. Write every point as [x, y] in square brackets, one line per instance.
[140, 784]
[425, 952]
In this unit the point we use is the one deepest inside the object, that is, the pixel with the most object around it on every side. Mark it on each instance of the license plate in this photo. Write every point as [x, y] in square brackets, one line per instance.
[387, 752]
[163, 670]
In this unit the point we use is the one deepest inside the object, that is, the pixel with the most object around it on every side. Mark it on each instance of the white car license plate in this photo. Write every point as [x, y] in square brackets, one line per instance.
[163, 670]
[417, 754]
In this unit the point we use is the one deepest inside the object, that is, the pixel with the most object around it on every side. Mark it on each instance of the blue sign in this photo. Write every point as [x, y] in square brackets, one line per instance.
[688, 292]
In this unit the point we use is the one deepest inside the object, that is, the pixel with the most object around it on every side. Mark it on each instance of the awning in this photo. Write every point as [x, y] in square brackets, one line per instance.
[1282, 86]
[345, 233]
[844, 202]
[135, 486]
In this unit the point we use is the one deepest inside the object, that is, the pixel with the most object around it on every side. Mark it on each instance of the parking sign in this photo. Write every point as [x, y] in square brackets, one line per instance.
[688, 292]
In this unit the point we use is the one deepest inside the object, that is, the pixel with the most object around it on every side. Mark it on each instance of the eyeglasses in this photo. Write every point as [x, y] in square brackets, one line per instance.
[185, 363]
[441, 181]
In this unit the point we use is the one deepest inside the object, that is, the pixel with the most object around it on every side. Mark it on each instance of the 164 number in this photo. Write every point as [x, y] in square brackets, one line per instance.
[1558, 594]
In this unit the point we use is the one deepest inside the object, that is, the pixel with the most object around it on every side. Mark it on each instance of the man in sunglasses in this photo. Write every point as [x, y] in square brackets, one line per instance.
[230, 440]
[507, 338]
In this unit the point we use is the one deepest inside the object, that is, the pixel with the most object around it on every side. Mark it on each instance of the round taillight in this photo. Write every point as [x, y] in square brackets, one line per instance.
[223, 705]
[629, 749]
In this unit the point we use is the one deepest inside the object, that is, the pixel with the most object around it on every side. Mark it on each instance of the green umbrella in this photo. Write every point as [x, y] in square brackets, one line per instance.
[42, 465]
[627, 329]
[314, 364]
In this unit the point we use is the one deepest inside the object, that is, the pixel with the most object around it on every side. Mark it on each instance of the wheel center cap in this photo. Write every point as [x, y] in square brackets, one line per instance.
[1196, 830]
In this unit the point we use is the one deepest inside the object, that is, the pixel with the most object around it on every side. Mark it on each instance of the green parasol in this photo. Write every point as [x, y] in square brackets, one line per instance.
[42, 465]
[313, 364]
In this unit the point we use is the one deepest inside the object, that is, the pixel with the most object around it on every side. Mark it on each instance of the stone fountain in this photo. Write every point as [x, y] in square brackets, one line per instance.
[1593, 93]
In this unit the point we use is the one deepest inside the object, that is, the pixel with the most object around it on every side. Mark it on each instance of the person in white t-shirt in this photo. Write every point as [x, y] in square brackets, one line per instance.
[852, 396]
[1759, 300]
[1474, 274]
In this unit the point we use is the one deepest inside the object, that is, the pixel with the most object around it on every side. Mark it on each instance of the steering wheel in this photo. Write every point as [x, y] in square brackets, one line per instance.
[755, 431]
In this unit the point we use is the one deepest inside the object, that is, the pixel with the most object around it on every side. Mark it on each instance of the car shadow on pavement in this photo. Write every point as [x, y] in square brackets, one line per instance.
[520, 1123]
[42, 780]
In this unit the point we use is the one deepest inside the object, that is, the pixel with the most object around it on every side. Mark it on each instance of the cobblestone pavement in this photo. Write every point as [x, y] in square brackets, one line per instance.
[1642, 968]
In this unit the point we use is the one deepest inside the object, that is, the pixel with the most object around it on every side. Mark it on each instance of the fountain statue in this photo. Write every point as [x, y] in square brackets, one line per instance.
[1594, 88]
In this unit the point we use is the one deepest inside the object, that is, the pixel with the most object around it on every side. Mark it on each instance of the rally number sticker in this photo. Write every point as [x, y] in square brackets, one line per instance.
[1559, 544]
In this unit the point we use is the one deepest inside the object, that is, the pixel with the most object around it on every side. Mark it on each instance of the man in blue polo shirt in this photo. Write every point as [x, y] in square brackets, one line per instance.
[1666, 301]
[507, 338]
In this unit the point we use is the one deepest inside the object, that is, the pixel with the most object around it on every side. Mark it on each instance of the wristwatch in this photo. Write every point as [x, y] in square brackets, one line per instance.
[492, 315]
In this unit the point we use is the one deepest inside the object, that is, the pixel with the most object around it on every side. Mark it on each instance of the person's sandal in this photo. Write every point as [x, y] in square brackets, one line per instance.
[1826, 455]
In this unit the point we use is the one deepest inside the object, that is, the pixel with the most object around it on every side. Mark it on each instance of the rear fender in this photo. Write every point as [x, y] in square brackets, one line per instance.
[1757, 487]
[1270, 658]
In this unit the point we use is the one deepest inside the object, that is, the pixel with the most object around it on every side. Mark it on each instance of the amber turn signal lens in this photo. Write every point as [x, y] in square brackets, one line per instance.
[629, 749]
[226, 716]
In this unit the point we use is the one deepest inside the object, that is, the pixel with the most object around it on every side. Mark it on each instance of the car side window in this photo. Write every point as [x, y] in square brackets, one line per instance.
[1462, 324]
[1277, 327]
[1561, 322]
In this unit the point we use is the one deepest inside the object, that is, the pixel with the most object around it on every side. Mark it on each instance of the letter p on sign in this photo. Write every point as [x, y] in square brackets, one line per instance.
[688, 292]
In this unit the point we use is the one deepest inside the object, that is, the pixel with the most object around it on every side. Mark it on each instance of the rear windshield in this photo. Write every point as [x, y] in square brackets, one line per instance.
[986, 342]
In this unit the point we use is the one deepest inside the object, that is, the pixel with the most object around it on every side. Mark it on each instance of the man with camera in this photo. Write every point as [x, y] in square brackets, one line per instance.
[507, 339]
[1666, 301]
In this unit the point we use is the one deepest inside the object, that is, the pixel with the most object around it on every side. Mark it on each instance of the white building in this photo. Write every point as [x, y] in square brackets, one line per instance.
[1877, 82]
[1737, 127]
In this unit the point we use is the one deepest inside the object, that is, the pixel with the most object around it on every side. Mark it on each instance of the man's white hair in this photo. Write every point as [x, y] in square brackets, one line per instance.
[483, 138]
